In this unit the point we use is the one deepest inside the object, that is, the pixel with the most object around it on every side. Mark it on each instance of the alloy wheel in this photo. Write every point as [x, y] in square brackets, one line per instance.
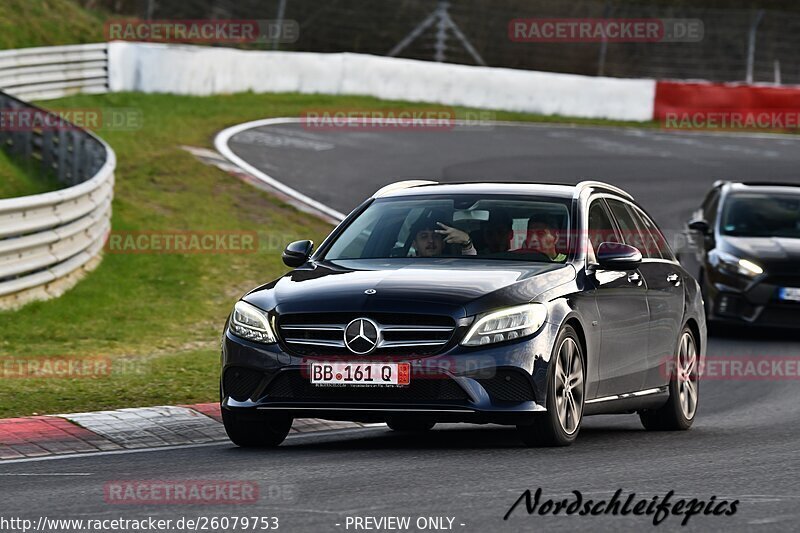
[569, 386]
[687, 375]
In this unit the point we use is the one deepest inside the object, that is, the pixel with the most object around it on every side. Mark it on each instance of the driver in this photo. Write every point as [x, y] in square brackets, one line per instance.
[543, 237]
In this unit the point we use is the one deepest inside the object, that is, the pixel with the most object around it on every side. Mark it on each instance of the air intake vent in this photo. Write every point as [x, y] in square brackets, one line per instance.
[240, 383]
[509, 386]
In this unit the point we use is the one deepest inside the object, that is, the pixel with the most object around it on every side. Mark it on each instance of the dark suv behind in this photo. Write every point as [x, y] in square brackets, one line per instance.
[747, 242]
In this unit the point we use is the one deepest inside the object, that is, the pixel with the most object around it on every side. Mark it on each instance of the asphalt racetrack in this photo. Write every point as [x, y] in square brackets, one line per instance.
[745, 444]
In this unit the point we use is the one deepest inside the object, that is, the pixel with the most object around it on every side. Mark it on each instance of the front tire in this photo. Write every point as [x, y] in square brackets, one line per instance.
[684, 387]
[265, 432]
[560, 425]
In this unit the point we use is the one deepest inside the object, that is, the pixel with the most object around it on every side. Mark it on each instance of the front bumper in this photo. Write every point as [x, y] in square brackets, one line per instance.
[756, 303]
[505, 384]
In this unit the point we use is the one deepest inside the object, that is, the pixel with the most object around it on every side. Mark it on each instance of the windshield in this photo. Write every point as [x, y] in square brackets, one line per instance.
[465, 226]
[762, 215]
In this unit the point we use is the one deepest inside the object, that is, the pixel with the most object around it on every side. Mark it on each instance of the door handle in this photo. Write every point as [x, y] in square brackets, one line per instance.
[675, 279]
[636, 279]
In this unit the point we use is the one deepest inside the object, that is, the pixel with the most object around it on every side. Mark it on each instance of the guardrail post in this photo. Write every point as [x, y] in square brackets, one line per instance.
[77, 143]
[61, 169]
[26, 146]
[48, 147]
[751, 44]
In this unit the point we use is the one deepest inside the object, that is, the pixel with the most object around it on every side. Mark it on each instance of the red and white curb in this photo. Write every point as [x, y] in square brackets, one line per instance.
[126, 429]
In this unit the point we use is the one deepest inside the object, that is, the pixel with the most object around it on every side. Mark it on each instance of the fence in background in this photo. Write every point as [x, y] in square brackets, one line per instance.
[48, 241]
[377, 28]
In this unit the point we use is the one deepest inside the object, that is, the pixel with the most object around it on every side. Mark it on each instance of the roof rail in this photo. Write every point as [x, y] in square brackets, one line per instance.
[769, 183]
[399, 185]
[603, 186]
[720, 183]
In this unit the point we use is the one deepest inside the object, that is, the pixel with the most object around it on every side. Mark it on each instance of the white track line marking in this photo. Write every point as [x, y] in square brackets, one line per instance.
[221, 143]
[223, 137]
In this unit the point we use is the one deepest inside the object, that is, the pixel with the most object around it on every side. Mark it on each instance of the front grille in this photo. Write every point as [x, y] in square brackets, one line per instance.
[780, 315]
[790, 280]
[291, 385]
[240, 383]
[322, 334]
[508, 385]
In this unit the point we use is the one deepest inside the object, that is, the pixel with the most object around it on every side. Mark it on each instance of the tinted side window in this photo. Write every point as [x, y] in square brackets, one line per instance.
[627, 225]
[652, 249]
[601, 229]
[661, 243]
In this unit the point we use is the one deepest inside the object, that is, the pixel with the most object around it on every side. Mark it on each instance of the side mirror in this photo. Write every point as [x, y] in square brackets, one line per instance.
[616, 256]
[700, 225]
[297, 253]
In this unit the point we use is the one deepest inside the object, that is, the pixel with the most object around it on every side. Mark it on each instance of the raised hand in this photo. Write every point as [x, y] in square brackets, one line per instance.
[452, 235]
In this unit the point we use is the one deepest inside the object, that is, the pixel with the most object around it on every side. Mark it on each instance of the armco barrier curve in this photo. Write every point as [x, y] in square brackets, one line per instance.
[48, 241]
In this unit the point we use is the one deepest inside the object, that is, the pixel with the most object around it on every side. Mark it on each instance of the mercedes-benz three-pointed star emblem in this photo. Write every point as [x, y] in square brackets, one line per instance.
[361, 336]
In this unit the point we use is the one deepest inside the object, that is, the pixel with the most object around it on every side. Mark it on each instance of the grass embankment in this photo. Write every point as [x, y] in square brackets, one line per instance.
[158, 317]
[20, 179]
[25, 23]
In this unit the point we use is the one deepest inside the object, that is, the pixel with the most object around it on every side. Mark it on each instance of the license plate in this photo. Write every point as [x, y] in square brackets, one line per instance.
[375, 374]
[789, 293]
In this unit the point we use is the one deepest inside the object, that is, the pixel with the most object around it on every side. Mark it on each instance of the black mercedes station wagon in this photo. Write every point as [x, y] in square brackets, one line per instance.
[522, 304]
[747, 238]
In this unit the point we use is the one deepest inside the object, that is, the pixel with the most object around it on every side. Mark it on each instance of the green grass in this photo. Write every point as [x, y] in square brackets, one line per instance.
[25, 23]
[20, 179]
[159, 317]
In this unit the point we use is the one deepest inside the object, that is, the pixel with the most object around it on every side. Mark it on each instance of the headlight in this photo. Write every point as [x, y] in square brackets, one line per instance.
[506, 325]
[251, 323]
[743, 267]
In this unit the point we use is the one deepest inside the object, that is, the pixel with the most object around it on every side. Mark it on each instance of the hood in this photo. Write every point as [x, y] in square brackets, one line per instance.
[776, 254]
[455, 287]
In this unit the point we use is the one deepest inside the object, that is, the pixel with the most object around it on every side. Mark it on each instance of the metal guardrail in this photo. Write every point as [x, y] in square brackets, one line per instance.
[54, 71]
[47, 241]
